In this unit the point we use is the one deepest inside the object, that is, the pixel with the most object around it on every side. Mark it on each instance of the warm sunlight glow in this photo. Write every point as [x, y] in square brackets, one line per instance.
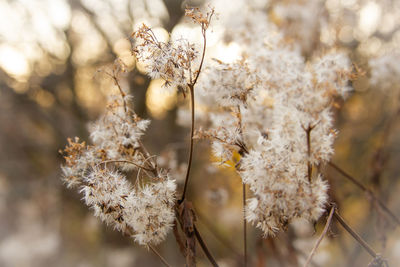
[159, 99]
[59, 13]
[122, 48]
[86, 90]
[228, 53]
[192, 33]
[13, 61]
[370, 16]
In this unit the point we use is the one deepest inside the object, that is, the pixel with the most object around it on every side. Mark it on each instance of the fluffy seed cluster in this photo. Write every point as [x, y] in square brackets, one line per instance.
[143, 210]
[274, 109]
[175, 61]
[293, 18]
[118, 133]
[171, 61]
[271, 109]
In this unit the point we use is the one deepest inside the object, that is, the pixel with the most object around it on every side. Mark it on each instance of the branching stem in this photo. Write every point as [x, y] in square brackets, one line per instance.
[323, 234]
[358, 238]
[191, 89]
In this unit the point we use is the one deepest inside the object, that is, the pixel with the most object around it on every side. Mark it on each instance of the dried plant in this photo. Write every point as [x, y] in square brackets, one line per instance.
[144, 210]
[269, 112]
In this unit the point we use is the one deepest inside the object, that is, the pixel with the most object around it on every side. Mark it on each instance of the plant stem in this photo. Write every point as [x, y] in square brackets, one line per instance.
[204, 248]
[191, 146]
[191, 89]
[159, 256]
[309, 164]
[214, 231]
[328, 223]
[120, 91]
[203, 32]
[358, 238]
[368, 191]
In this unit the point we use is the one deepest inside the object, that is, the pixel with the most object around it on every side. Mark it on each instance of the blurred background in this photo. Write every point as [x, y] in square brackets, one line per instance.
[53, 54]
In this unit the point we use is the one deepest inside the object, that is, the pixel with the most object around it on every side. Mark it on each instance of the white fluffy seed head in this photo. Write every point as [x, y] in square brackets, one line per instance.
[145, 210]
[153, 214]
[274, 110]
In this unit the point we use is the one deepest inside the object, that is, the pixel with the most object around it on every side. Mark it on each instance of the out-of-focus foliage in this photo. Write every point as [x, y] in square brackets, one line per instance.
[54, 59]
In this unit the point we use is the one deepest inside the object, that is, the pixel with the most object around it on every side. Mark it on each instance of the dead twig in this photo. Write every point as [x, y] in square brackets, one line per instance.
[323, 234]
[368, 191]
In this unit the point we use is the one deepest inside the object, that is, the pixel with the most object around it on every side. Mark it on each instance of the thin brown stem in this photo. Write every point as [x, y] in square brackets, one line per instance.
[202, 58]
[120, 91]
[240, 143]
[368, 191]
[204, 248]
[358, 238]
[309, 165]
[323, 234]
[244, 226]
[159, 256]
[125, 161]
[115, 79]
[304, 255]
[191, 89]
[243, 150]
[191, 146]
[203, 32]
[204, 27]
[349, 177]
[214, 231]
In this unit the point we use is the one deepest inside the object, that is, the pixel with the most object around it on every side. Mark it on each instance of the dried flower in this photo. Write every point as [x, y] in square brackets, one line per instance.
[144, 210]
[171, 61]
[274, 111]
